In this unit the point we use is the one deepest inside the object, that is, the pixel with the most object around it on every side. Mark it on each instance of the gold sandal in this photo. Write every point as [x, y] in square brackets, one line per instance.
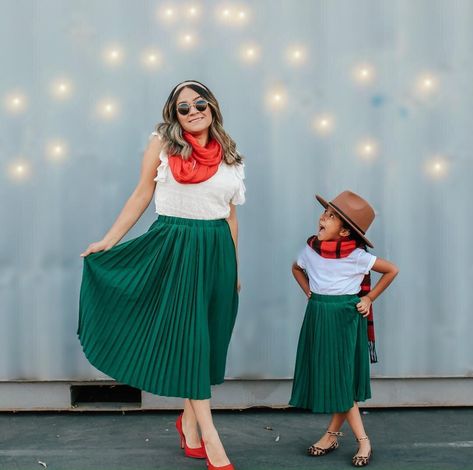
[362, 460]
[316, 451]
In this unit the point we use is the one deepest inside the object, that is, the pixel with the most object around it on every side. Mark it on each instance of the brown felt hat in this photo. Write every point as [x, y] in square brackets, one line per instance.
[354, 210]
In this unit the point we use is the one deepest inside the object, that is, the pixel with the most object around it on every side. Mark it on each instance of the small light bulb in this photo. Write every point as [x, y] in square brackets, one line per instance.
[367, 150]
[113, 56]
[324, 124]
[187, 41]
[192, 12]
[56, 150]
[437, 167]
[276, 98]
[151, 59]
[107, 109]
[61, 89]
[296, 55]
[19, 170]
[15, 102]
[426, 85]
[249, 53]
[364, 74]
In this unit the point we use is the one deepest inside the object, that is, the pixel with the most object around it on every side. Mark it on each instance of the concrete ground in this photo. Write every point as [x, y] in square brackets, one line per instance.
[415, 439]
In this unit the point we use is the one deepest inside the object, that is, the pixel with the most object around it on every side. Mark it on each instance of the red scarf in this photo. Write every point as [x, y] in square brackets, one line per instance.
[334, 249]
[201, 165]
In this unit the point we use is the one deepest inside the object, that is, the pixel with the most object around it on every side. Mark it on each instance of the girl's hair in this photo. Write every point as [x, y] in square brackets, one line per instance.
[354, 236]
[170, 130]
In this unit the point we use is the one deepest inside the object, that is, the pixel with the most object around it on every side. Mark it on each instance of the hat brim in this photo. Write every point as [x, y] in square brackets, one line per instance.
[343, 217]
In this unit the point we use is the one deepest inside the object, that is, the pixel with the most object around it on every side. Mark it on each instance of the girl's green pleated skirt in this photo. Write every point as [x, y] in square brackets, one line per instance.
[157, 312]
[332, 365]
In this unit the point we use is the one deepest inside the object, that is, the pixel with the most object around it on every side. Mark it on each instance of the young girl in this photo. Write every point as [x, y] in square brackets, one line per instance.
[332, 365]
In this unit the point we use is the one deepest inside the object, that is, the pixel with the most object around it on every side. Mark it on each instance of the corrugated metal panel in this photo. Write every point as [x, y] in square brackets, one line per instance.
[423, 204]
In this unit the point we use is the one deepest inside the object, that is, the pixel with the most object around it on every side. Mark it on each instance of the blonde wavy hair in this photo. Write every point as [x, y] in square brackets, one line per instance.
[170, 130]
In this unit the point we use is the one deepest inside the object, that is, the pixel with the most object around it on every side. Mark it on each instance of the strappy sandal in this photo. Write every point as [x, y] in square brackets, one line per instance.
[362, 460]
[316, 451]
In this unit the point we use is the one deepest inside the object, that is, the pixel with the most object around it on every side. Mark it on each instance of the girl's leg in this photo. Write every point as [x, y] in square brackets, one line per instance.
[213, 446]
[356, 424]
[189, 425]
[334, 426]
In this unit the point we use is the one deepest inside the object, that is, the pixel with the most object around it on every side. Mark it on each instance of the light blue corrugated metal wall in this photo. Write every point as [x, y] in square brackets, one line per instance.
[418, 179]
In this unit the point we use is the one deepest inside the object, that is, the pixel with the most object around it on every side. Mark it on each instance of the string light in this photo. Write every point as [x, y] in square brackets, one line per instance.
[296, 55]
[167, 14]
[56, 150]
[367, 149]
[61, 89]
[192, 12]
[107, 109]
[324, 124]
[276, 98]
[426, 85]
[113, 55]
[15, 102]
[364, 74]
[250, 53]
[151, 59]
[19, 170]
[233, 15]
[437, 167]
[187, 41]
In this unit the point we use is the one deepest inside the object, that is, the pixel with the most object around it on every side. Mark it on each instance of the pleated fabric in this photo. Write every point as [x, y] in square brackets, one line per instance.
[332, 364]
[157, 312]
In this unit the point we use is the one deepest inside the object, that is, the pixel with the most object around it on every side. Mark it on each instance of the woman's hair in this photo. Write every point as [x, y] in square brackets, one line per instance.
[170, 130]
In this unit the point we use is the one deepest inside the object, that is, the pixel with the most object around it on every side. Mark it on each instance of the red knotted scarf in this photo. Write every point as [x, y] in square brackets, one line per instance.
[341, 249]
[201, 165]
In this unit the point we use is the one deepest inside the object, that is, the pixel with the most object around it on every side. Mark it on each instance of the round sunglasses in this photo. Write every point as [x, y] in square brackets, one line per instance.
[184, 108]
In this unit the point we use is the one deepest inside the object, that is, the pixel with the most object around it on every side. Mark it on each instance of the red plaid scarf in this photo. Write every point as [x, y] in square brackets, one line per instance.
[334, 249]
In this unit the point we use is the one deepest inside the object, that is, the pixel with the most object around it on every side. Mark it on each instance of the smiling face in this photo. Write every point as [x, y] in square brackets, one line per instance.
[195, 122]
[331, 226]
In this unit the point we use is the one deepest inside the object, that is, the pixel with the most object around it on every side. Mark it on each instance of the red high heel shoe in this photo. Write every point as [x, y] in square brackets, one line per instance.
[213, 467]
[194, 453]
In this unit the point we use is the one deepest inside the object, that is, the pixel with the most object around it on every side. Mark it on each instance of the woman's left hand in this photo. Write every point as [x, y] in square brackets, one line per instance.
[238, 285]
[363, 306]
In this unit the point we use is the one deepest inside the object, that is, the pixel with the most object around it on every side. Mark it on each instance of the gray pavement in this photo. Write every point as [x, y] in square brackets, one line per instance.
[415, 439]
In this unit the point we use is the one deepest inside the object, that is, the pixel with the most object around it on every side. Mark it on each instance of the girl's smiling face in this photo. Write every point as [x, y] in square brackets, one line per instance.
[195, 121]
[331, 226]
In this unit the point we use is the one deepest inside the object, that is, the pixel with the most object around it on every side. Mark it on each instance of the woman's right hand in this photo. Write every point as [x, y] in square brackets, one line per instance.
[96, 247]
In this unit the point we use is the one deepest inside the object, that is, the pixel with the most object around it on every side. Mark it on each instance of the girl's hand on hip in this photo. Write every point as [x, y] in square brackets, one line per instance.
[96, 247]
[363, 306]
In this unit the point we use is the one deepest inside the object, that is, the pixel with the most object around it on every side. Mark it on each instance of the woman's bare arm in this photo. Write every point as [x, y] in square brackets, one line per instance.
[136, 203]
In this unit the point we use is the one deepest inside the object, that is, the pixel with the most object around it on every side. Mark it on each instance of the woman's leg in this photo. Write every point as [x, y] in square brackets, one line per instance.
[213, 445]
[356, 424]
[189, 426]
[334, 426]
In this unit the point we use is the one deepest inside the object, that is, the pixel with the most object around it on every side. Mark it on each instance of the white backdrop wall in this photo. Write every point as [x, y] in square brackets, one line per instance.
[417, 175]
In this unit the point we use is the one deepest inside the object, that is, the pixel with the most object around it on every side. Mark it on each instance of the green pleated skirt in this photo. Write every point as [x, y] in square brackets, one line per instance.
[332, 364]
[157, 312]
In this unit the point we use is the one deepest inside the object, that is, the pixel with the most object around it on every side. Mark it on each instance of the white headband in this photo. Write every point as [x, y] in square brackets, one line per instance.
[190, 82]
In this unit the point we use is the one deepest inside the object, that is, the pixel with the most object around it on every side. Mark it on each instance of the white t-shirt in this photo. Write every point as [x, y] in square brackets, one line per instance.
[335, 276]
[208, 200]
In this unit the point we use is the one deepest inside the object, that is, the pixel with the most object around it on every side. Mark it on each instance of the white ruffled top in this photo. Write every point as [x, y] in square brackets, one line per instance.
[208, 200]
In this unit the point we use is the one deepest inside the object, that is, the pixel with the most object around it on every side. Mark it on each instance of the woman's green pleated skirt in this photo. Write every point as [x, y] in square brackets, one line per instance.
[157, 312]
[332, 365]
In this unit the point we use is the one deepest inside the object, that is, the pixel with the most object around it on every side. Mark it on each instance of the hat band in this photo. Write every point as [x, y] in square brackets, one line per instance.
[348, 218]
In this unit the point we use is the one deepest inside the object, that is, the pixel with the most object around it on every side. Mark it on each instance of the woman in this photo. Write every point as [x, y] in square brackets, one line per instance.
[157, 311]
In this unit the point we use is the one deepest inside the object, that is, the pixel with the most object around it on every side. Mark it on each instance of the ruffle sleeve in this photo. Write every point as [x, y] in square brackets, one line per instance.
[239, 196]
[162, 169]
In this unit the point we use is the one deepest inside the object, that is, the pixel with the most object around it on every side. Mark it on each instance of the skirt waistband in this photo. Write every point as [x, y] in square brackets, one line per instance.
[332, 298]
[170, 220]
